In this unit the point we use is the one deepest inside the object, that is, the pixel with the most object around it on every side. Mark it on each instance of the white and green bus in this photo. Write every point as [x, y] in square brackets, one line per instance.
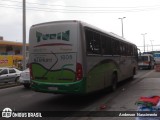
[77, 58]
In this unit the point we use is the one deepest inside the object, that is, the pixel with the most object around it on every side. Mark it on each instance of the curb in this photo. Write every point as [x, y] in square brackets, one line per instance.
[8, 85]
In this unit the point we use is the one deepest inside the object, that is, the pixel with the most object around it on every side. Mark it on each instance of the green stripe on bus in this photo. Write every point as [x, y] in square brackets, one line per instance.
[54, 76]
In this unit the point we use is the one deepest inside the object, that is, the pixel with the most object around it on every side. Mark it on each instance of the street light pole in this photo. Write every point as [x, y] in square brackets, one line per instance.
[144, 40]
[122, 25]
[147, 47]
[24, 34]
[152, 44]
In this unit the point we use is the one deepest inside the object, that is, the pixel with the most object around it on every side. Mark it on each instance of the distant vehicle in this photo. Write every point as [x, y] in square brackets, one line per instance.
[9, 75]
[76, 58]
[157, 58]
[146, 61]
[25, 78]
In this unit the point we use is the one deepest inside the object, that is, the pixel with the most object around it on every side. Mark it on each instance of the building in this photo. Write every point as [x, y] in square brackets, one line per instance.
[14, 49]
[11, 48]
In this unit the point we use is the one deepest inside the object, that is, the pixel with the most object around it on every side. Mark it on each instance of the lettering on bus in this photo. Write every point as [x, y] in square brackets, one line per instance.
[54, 36]
[66, 57]
[43, 59]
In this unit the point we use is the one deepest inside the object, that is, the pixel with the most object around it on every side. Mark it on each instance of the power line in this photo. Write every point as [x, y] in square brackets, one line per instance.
[100, 10]
[130, 7]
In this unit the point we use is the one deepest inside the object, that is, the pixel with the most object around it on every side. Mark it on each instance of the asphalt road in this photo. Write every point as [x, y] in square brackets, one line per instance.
[21, 99]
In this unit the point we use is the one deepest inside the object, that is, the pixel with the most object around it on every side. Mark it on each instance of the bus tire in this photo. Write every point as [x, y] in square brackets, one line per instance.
[114, 82]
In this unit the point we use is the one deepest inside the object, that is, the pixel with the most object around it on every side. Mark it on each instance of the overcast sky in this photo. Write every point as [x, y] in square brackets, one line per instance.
[142, 16]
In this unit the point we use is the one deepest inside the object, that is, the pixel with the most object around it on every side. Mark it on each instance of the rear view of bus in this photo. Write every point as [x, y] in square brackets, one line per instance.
[54, 63]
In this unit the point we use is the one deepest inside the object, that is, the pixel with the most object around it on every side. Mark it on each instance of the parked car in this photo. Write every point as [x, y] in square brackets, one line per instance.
[146, 61]
[25, 78]
[9, 75]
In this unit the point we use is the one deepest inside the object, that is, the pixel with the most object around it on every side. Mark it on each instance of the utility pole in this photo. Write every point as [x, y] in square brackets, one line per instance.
[122, 25]
[24, 34]
[144, 40]
[147, 47]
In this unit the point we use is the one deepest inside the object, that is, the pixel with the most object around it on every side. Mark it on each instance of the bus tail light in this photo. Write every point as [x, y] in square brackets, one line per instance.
[79, 72]
[31, 73]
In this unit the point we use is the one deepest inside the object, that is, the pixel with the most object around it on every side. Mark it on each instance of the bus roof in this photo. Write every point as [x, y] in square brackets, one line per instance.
[111, 34]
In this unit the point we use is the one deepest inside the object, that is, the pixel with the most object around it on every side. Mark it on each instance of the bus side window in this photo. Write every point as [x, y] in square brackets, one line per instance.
[96, 44]
[135, 53]
[122, 48]
[106, 45]
[113, 44]
[115, 47]
[130, 50]
[89, 37]
[93, 42]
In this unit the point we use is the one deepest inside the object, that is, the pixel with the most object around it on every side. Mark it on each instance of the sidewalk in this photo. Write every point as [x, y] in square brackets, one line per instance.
[148, 85]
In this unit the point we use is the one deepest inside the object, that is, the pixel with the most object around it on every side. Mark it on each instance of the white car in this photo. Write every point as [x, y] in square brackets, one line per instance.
[25, 78]
[9, 75]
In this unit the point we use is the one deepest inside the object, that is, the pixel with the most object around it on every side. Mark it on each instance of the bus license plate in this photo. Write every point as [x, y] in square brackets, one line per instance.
[52, 88]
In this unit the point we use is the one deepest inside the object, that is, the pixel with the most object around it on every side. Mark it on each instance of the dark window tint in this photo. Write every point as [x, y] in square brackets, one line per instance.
[115, 47]
[100, 43]
[106, 45]
[5, 71]
[143, 58]
[12, 71]
[93, 42]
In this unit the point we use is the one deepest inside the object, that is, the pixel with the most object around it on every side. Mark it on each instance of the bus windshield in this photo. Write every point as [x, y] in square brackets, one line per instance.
[143, 58]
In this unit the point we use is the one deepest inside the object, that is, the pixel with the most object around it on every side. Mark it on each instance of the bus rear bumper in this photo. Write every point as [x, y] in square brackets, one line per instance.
[77, 87]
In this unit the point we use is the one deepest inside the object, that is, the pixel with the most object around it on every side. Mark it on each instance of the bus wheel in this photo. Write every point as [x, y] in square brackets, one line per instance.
[114, 82]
